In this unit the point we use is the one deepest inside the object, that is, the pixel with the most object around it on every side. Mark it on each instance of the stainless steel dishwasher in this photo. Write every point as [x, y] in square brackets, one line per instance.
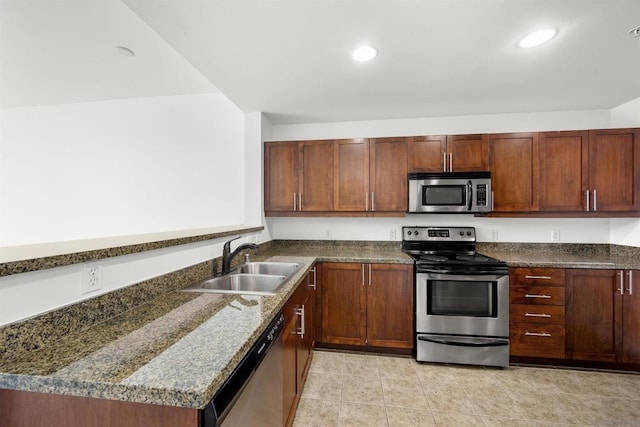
[252, 396]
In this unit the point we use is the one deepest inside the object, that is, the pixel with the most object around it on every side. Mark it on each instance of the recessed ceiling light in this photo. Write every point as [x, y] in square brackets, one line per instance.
[364, 53]
[537, 38]
[124, 51]
[634, 32]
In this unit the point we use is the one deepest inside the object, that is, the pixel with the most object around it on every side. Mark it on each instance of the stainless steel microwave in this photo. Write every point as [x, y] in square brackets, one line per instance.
[450, 192]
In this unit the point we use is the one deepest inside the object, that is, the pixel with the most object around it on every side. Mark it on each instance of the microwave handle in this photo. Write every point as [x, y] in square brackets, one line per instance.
[470, 193]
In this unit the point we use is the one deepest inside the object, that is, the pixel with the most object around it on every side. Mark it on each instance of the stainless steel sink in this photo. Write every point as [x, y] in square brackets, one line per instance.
[250, 284]
[273, 268]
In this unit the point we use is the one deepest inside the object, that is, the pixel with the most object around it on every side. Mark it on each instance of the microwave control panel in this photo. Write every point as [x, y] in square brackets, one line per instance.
[481, 194]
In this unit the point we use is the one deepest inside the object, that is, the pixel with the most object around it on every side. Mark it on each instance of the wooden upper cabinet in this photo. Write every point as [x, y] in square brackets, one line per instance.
[614, 169]
[467, 153]
[316, 176]
[453, 153]
[388, 175]
[426, 153]
[564, 171]
[351, 175]
[513, 161]
[281, 176]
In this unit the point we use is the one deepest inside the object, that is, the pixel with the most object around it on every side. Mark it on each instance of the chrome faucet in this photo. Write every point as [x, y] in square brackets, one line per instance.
[227, 255]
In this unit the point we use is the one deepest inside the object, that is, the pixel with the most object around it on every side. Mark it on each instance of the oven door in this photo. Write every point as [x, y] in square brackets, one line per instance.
[468, 304]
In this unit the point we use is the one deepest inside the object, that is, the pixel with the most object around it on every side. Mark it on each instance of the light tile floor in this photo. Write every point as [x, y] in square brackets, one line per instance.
[345, 389]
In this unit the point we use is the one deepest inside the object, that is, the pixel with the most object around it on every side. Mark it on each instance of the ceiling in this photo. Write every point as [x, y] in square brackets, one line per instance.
[292, 59]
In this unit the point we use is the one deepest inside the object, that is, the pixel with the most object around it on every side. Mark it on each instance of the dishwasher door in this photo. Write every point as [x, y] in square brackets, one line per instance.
[260, 402]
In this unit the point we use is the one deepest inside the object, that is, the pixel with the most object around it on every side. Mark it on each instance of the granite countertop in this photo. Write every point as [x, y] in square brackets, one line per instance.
[176, 350]
[180, 347]
[577, 256]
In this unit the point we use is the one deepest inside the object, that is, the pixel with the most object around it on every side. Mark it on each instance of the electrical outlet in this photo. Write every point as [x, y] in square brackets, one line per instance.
[328, 233]
[494, 235]
[91, 278]
[392, 234]
[555, 235]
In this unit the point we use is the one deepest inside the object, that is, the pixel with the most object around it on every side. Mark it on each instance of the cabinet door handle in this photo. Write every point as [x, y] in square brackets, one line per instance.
[492, 198]
[373, 202]
[621, 288]
[537, 334]
[537, 296]
[294, 201]
[538, 277]
[630, 276]
[366, 201]
[369, 274]
[450, 162]
[595, 201]
[300, 201]
[586, 196]
[362, 274]
[315, 279]
[444, 162]
[300, 312]
[536, 315]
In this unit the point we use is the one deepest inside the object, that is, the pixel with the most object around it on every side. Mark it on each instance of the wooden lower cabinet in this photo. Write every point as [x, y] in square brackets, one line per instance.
[537, 312]
[27, 409]
[297, 342]
[367, 305]
[603, 315]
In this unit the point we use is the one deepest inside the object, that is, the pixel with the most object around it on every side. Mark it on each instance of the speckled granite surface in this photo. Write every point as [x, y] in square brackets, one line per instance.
[175, 350]
[564, 255]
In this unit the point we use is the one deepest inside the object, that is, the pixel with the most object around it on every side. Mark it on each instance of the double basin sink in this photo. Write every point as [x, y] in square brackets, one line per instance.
[252, 278]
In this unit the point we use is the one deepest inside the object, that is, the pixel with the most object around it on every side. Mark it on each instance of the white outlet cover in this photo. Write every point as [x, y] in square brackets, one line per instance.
[91, 277]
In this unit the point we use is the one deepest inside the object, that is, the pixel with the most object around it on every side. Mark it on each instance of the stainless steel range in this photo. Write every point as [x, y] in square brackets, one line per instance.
[462, 298]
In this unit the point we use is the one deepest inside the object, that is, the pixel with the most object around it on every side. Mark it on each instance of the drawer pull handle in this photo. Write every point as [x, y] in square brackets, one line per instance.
[537, 296]
[536, 315]
[538, 277]
[537, 334]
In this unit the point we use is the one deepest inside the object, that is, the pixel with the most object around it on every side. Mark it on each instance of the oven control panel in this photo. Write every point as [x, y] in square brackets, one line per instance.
[440, 234]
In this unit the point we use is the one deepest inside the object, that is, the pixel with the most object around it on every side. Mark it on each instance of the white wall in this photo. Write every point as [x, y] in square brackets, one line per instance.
[111, 168]
[534, 230]
[626, 115]
[132, 166]
[524, 122]
[625, 231]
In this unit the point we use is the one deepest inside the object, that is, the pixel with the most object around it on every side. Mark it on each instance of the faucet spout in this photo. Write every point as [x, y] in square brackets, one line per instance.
[227, 255]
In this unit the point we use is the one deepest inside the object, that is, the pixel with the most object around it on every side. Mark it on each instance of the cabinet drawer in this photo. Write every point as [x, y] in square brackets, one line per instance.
[538, 295]
[540, 314]
[536, 276]
[535, 340]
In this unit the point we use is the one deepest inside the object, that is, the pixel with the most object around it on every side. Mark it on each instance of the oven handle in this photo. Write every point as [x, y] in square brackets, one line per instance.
[480, 343]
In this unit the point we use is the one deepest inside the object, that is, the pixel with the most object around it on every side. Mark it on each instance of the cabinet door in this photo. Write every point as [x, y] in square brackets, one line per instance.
[513, 161]
[631, 318]
[388, 175]
[281, 176]
[426, 153]
[343, 303]
[594, 320]
[563, 171]
[614, 169]
[316, 176]
[351, 175]
[390, 305]
[467, 153]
